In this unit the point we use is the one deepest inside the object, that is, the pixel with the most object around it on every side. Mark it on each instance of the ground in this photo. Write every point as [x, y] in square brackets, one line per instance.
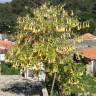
[15, 85]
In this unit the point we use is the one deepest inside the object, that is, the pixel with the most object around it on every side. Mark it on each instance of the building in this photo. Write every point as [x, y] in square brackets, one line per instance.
[90, 55]
[87, 52]
[87, 40]
[4, 46]
[88, 36]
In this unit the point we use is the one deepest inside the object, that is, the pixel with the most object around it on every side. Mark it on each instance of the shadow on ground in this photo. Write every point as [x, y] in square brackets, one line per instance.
[25, 88]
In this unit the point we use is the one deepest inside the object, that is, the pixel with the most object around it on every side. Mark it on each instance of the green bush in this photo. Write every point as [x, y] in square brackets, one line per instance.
[6, 69]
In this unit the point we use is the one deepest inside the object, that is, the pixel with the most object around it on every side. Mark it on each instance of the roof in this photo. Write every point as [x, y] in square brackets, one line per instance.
[86, 44]
[89, 53]
[88, 36]
[5, 44]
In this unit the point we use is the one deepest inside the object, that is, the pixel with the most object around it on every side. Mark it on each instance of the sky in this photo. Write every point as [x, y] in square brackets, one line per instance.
[3, 1]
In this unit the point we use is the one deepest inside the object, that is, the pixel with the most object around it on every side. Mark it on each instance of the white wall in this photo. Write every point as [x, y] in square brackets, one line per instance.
[2, 57]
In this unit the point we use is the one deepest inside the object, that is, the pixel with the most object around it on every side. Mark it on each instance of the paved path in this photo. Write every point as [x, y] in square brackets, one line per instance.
[15, 85]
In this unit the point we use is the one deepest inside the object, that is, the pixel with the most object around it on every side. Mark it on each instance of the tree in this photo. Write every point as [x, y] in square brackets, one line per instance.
[7, 18]
[48, 37]
[85, 10]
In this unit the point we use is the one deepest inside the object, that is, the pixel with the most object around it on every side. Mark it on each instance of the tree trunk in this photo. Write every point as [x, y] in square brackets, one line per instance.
[62, 91]
[52, 88]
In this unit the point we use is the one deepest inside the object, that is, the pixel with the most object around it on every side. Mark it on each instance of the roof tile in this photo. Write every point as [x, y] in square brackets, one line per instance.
[89, 52]
[5, 44]
[88, 36]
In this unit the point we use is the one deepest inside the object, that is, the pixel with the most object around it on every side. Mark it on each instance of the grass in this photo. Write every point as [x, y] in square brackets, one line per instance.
[86, 86]
[8, 70]
[90, 84]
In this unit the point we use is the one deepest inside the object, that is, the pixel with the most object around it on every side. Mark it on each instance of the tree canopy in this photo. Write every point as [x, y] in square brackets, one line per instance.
[46, 31]
[84, 9]
[48, 37]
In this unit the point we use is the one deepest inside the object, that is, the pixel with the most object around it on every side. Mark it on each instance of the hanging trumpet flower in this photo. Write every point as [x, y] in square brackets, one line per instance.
[78, 40]
[67, 21]
[61, 29]
[72, 13]
[83, 25]
[87, 24]
[78, 28]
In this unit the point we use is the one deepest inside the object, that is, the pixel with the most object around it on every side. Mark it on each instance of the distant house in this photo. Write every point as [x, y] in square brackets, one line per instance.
[3, 36]
[4, 46]
[90, 55]
[88, 36]
[87, 52]
[87, 40]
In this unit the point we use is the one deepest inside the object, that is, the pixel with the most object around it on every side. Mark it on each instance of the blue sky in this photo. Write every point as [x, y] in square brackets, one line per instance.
[3, 1]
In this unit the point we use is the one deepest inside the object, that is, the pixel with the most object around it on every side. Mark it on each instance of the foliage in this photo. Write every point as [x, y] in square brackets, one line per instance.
[86, 86]
[84, 9]
[7, 18]
[6, 69]
[48, 37]
[69, 77]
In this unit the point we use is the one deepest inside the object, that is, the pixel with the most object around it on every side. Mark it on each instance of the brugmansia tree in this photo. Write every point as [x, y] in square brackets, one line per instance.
[48, 37]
